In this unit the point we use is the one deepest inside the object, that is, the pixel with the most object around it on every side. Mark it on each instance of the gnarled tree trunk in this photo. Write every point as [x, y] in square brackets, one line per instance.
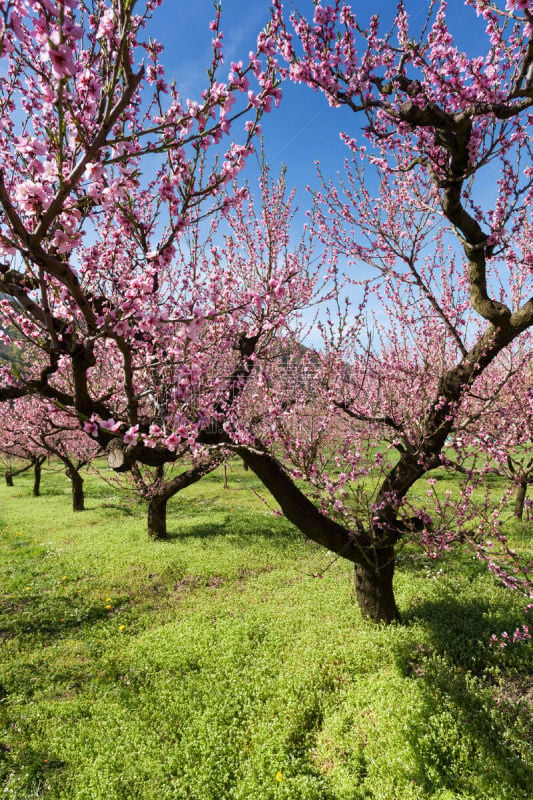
[157, 502]
[373, 565]
[37, 470]
[520, 499]
[157, 516]
[373, 586]
[10, 474]
[78, 497]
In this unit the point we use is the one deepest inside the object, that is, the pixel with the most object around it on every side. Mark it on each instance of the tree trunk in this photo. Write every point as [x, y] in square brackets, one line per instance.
[157, 504]
[78, 497]
[520, 500]
[157, 517]
[373, 586]
[374, 566]
[12, 472]
[37, 470]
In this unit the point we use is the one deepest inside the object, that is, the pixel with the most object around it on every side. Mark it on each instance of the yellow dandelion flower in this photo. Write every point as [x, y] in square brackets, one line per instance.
[121, 627]
[279, 776]
[108, 606]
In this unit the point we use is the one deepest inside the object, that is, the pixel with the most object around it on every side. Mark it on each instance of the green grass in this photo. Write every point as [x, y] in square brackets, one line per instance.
[213, 666]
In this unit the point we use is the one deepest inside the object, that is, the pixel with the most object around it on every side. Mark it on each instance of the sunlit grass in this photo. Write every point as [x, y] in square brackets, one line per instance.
[214, 665]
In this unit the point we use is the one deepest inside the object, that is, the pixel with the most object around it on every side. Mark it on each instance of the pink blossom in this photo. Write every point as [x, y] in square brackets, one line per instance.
[91, 428]
[62, 58]
[110, 425]
[33, 197]
[172, 441]
[107, 25]
[131, 436]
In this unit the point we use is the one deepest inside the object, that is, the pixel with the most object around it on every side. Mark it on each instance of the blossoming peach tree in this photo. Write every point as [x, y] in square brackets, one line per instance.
[112, 188]
[103, 168]
[18, 452]
[37, 430]
[449, 259]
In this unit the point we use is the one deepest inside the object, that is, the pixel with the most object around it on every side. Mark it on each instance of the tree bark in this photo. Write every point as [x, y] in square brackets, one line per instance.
[373, 587]
[12, 472]
[373, 565]
[78, 497]
[157, 503]
[520, 499]
[157, 517]
[37, 471]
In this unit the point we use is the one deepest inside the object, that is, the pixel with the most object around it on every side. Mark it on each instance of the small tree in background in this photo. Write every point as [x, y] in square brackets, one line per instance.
[20, 419]
[35, 430]
[60, 435]
[156, 486]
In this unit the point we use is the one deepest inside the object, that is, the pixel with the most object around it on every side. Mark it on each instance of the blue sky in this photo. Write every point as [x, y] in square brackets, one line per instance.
[304, 129]
[301, 131]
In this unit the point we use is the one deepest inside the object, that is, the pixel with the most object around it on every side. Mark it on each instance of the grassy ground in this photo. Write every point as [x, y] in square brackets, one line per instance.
[214, 666]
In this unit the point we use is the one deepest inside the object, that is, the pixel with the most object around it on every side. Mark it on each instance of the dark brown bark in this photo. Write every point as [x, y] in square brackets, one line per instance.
[37, 480]
[374, 588]
[374, 567]
[157, 502]
[157, 517]
[122, 457]
[78, 496]
[301, 511]
[37, 471]
[72, 471]
[10, 474]
[520, 499]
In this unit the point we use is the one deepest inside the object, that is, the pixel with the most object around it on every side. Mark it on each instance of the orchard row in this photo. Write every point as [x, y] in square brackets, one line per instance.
[163, 315]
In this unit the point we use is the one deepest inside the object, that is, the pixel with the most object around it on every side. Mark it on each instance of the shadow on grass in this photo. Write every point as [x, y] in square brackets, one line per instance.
[459, 557]
[240, 533]
[29, 617]
[123, 510]
[471, 695]
[460, 627]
